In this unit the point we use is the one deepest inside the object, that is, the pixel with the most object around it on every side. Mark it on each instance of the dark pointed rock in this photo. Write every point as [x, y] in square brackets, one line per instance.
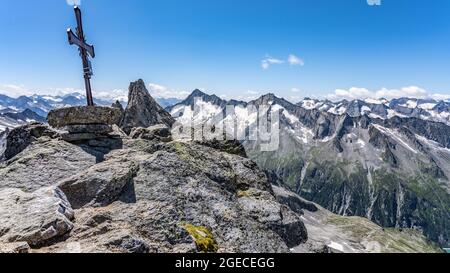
[143, 110]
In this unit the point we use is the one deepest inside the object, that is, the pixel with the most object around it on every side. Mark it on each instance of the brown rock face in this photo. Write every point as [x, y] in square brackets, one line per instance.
[83, 115]
[143, 110]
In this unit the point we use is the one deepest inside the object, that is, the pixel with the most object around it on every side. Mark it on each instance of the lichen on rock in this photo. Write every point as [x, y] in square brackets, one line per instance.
[203, 238]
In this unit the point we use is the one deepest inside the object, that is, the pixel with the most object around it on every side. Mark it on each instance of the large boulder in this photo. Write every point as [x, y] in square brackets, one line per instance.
[157, 196]
[157, 132]
[99, 185]
[45, 163]
[60, 118]
[21, 137]
[143, 110]
[35, 218]
[293, 201]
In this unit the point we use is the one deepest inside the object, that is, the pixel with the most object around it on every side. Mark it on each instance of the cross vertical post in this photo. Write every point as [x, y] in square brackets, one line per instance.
[85, 50]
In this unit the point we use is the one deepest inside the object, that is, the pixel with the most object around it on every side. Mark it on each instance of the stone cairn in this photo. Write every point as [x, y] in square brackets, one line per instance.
[90, 125]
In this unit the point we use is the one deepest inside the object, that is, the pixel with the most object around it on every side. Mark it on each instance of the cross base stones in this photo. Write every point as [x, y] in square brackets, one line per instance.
[89, 128]
[93, 125]
[84, 115]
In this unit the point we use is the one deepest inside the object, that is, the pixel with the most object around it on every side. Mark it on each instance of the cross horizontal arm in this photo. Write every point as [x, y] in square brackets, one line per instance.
[74, 40]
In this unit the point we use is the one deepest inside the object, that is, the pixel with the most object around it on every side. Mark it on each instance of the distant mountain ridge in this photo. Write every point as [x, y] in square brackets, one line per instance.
[386, 160]
[17, 111]
[427, 109]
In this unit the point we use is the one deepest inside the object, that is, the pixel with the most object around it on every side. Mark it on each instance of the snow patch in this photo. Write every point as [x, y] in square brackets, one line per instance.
[394, 135]
[427, 106]
[410, 104]
[373, 101]
[365, 109]
[336, 246]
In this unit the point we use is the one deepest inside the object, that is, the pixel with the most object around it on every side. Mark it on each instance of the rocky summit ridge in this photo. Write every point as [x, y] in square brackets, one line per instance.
[128, 186]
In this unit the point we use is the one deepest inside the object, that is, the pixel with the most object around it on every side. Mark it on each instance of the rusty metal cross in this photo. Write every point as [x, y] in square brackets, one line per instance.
[85, 49]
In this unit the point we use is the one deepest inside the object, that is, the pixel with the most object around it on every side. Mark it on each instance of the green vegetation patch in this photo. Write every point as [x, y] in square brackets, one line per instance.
[203, 237]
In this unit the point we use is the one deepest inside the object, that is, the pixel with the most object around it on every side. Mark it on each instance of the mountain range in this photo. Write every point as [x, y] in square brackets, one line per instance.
[137, 188]
[387, 161]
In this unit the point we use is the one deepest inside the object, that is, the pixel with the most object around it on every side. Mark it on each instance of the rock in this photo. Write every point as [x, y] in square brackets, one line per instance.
[3, 144]
[15, 248]
[228, 146]
[280, 219]
[20, 138]
[143, 110]
[60, 118]
[89, 128]
[80, 137]
[152, 196]
[128, 243]
[157, 132]
[46, 163]
[99, 185]
[291, 229]
[118, 105]
[172, 195]
[293, 201]
[36, 218]
[117, 132]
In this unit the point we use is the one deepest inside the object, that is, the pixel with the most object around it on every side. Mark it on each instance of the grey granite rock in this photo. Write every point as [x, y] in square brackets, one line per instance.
[45, 163]
[21, 137]
[14, 248]
[60, 118]
[89, 128]
[80, 137]
[99, 185]
[156, 132]
[154, 196]
[35, 218]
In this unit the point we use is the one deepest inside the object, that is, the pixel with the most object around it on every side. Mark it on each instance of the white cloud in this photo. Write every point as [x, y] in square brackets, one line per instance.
[411, 91]
[247, 98]
[156, 87]
[291, 60]
[294, 60]
[295, 90]
[295, 98]
[73, 2]
[441, 97]
[268, 61]
[14, 90]
[114, 95]
[160, 91]
[351, 94]
[251, 92]
[363, 93]
[156, 90]
[17, 90]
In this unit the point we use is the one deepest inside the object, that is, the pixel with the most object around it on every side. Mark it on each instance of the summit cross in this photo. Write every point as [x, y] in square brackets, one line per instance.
[85, 50]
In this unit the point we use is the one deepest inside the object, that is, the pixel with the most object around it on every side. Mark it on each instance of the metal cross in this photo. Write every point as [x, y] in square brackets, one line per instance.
[84, 49]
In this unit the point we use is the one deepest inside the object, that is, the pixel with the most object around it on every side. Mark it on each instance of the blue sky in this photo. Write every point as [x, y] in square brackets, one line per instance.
[233, 48]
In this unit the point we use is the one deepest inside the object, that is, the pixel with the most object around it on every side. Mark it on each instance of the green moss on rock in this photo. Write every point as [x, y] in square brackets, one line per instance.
[203, 237]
